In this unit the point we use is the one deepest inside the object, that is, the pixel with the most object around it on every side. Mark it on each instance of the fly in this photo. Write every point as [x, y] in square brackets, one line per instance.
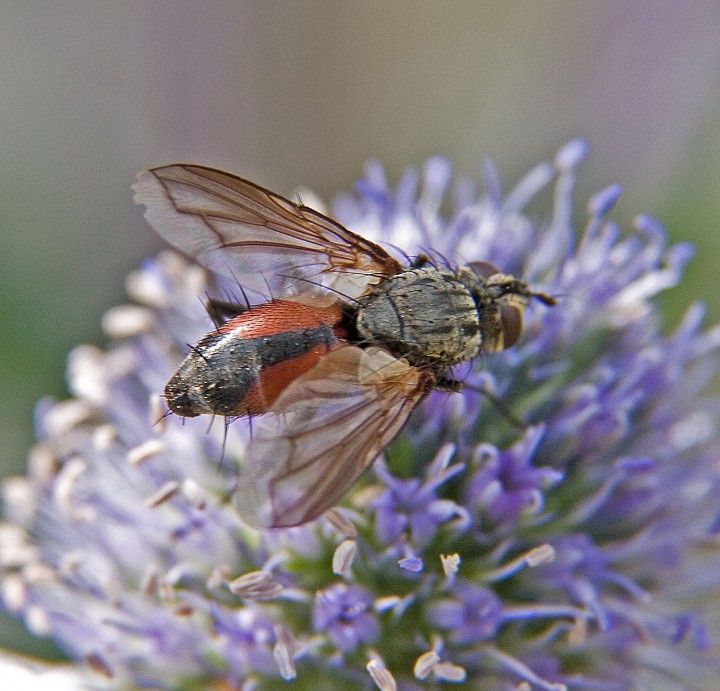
[334, 366]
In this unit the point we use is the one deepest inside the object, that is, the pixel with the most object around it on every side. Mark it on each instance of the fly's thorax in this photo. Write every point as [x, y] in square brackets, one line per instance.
[424, 314]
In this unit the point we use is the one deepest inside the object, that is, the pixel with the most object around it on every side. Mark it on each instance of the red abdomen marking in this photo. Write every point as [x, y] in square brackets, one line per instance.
[243, 366]
[283, 326]
[279, 316]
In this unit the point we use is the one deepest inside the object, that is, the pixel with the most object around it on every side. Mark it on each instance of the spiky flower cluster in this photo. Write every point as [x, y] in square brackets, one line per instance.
[577, 551]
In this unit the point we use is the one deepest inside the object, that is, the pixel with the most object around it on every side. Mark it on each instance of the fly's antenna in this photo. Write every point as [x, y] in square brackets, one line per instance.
[548, 300]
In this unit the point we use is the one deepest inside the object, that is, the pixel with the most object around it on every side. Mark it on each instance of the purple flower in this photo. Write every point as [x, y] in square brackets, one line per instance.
[413, 506]
[472, 615]
[507, 483]
[344, 613]
[577, 549]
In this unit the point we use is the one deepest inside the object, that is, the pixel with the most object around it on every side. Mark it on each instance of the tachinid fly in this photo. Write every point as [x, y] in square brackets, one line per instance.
[335, 363]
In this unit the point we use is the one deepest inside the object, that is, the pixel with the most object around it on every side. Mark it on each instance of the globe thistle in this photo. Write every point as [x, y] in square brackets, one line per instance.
[554, 526]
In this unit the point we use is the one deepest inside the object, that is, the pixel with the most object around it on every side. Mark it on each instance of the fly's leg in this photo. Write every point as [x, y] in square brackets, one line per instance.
[454, 386]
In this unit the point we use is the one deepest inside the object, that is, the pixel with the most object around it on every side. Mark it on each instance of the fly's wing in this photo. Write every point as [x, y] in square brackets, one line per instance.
[324, 431]
[245, 232]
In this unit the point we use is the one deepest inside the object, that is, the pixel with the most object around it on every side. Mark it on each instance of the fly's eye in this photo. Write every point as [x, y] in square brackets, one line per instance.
[483, 269]
[512, 320]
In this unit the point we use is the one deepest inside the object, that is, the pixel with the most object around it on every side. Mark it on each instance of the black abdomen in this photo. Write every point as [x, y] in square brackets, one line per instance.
[228, 375]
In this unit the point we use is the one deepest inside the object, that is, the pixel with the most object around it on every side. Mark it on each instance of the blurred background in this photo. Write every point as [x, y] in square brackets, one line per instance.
[297, 94]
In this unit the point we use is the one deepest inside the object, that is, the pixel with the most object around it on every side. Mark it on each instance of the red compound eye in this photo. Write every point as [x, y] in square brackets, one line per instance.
[511, 318]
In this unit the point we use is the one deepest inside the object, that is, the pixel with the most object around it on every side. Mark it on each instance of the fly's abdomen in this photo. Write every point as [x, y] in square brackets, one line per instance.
[241, 368]
[424, 314]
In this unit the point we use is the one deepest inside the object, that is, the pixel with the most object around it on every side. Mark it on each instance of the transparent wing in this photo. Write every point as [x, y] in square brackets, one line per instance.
[325, 430]
[250, 234]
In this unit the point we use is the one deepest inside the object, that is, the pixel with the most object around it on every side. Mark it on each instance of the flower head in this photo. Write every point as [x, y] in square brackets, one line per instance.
[576, 550]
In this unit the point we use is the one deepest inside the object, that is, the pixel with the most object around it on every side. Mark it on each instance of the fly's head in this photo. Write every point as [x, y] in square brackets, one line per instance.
[501, 300]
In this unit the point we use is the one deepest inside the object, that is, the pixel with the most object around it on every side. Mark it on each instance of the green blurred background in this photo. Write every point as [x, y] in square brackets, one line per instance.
[300, 94]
